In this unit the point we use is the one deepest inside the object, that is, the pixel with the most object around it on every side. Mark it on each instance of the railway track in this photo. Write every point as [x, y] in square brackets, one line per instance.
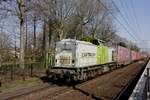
[127, 90]
[24, 91]
[105, 87]
[45, 90]
[52, 91]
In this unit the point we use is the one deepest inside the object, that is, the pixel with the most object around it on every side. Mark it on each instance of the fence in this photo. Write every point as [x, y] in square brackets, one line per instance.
[9, 72]
[12, 71]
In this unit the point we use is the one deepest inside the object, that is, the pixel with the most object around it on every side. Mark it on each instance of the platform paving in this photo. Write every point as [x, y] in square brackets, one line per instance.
[142, 89]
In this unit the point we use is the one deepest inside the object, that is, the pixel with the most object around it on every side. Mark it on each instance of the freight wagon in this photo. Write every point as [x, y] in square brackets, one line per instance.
[138, 56]
[123, 55]
[135, 55]
[79, 60]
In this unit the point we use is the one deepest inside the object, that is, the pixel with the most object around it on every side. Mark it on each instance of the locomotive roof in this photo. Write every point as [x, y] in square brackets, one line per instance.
[83, 42]
[74, 40]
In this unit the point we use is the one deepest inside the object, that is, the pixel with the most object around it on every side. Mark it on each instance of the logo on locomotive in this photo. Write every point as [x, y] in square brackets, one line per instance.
[87, 54]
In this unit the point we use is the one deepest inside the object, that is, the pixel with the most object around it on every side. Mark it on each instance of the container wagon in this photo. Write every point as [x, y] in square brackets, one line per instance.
[123, 55]
[133, 55]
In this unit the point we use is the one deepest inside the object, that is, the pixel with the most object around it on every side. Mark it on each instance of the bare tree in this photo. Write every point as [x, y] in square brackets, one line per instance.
[21, 6]
[5, 46]
[17, 8]
[60, 19]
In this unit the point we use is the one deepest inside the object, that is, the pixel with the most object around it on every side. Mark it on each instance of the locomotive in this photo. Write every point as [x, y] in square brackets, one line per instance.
[80, 60]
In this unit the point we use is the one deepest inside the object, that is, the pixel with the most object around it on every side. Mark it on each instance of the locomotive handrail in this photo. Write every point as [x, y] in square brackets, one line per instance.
[55, 67]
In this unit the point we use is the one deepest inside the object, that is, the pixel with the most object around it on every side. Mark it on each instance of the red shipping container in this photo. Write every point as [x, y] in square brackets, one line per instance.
[123, 55]
[133, 55]
[138, 55]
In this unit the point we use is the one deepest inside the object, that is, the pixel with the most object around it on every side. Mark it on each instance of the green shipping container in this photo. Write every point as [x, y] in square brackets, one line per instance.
[102, 54]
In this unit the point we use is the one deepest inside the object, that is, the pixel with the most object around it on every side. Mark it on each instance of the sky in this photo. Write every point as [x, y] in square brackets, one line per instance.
[137, 13]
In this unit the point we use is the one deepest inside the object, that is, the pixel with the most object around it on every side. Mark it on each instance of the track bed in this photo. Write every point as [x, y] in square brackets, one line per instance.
[105, 87]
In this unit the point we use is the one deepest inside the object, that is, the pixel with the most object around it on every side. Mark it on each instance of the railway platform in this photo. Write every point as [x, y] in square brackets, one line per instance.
[142, 89]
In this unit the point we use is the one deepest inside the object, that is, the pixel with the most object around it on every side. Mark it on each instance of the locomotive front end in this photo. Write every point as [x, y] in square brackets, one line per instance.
[64, 60]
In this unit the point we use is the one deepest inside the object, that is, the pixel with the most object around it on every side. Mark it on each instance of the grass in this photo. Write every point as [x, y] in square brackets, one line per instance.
[18, 84]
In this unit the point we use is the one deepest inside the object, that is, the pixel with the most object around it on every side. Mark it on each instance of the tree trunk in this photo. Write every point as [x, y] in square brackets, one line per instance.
[34, 30]
[50, 32]
[26, 35]
[21, 6]
[94, 32]
[44, 36]
[61, 35]
[61, 32]
[44, 44]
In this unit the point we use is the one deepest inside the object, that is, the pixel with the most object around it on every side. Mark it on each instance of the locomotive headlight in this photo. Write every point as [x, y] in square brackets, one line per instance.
[73, 61]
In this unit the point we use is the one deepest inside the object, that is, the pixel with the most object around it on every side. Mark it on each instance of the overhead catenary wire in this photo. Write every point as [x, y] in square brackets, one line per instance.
[132, 12]
[117, 20]
[127, 12]
[133, 16]
[126, 21]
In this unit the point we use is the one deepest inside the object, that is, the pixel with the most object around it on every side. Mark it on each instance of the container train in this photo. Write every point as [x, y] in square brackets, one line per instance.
[80, 60]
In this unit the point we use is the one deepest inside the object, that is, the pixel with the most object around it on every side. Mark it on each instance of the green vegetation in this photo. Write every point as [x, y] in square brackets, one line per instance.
[87, 38]
[122, 44]
[14, 85]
